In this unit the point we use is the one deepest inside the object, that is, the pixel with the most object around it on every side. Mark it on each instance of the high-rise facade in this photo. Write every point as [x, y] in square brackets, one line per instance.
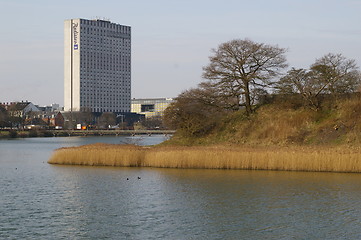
[97, 66]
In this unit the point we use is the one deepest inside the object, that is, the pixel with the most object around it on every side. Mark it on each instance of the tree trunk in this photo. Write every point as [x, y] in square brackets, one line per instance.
[247, 98]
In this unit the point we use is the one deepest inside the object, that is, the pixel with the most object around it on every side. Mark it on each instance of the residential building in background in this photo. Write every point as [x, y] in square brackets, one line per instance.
[20, 109]
[26, 115]
[151, 107]
[97, 66]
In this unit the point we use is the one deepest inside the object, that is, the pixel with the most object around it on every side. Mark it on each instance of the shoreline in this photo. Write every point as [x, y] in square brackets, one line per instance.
[8, 134]
[294, 158]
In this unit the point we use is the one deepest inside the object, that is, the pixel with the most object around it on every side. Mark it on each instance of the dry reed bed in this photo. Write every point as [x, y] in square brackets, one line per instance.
[251, 158]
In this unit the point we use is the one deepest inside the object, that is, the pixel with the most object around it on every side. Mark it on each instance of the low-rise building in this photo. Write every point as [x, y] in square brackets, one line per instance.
[20, 109]
[150, 107]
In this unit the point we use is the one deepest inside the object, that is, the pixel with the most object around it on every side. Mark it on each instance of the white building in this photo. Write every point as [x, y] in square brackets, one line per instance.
[97, 66]
[151, 107]
[20, 109]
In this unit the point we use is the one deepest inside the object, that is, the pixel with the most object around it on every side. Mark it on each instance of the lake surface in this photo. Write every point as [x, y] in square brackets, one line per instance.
[43, 201]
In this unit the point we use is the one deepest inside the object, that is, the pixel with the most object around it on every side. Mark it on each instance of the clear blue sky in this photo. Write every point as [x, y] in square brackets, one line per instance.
[171, 40]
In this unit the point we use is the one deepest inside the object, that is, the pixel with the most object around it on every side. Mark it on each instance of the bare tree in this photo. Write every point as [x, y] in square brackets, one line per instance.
[106, 119]
[155, 122]
[210, 96]
[301, 81]
[71, 119]
[4, 118]
[238, 67]
[332, 74]
[192, 113]
[336, 74]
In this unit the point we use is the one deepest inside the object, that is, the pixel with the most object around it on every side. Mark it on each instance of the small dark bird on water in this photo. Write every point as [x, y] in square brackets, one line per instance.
[127, 179]
[138, 177]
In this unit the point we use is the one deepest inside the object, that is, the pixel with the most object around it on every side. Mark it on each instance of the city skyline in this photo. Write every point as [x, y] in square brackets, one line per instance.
[171, 40]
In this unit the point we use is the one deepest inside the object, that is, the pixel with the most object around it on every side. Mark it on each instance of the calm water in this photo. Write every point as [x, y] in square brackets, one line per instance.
[42, 201]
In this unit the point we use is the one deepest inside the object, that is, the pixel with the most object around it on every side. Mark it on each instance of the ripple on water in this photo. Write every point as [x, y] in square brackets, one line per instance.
[41, 201]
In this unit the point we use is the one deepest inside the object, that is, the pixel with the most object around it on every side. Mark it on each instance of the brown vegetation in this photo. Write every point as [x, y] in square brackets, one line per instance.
[261, 158]
[99, 155]
[286, 121]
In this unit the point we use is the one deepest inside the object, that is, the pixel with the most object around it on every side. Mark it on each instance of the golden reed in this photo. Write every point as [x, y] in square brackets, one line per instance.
[336, 159]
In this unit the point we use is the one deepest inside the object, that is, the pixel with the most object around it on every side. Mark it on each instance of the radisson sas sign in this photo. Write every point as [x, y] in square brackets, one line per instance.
[75, 36]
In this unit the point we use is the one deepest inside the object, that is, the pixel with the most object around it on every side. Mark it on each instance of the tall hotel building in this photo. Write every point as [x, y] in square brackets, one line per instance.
[97, 66]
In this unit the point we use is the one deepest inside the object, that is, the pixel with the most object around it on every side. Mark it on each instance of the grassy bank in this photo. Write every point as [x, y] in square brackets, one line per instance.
[340, 159]
[282, 122]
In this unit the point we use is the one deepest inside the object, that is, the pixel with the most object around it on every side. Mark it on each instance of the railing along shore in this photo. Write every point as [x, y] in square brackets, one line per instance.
[65, 133]
[109, 132]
